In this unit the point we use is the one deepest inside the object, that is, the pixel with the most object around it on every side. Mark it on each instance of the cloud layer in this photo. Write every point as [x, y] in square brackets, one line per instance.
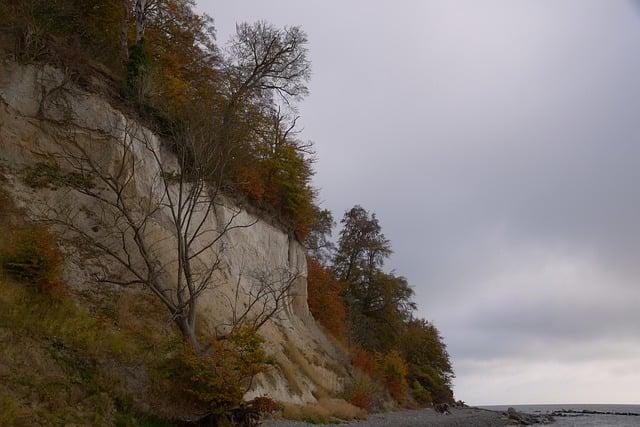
[499, 143]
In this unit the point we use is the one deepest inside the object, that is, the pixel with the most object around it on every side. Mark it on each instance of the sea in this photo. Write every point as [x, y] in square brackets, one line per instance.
[582, 415]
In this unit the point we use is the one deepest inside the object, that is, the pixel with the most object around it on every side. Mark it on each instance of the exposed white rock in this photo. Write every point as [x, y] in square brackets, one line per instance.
[33, 103]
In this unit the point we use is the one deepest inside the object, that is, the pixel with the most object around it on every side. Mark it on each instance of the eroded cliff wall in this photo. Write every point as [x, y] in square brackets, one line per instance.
[36, 101]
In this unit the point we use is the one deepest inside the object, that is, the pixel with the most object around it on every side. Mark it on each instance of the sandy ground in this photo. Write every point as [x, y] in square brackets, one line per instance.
[471, 417]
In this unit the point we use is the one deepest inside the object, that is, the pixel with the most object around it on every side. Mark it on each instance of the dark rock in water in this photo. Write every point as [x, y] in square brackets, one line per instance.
[574, 413]
[527, 419]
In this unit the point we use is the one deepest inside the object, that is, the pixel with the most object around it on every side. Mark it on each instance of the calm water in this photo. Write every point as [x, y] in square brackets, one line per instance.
[579, 419]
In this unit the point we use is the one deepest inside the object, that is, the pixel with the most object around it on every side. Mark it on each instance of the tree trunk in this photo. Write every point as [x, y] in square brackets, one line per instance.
[124, 32]
[141, 18]
[189, 333]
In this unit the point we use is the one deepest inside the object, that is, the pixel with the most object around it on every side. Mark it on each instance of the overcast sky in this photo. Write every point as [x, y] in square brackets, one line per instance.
[499, 143]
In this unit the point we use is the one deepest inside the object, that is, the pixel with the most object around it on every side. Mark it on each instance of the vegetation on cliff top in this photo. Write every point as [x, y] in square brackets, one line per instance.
[175, 74]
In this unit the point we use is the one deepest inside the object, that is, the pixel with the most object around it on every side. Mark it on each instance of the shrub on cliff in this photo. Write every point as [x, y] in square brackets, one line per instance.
[31, 255]
[217, 380]
[364, 360]
[392, 369]
[42, 29]
[363, 392]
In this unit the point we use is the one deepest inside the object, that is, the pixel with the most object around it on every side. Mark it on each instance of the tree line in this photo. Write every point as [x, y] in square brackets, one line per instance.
[372, 310]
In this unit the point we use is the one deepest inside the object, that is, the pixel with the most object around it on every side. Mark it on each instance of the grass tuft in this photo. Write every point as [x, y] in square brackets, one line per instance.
[325, 411]
[49, 175]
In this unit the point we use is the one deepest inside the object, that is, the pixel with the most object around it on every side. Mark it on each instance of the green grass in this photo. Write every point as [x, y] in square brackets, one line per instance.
[87, 358]
[49, 175]
[59, 364]
[97, 357]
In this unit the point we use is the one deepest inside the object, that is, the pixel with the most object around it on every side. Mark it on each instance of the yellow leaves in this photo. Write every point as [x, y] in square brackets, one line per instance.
[392, 369]
[219, 378]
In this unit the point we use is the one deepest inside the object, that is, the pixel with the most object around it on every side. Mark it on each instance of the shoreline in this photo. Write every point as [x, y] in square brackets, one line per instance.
[473, 416]
[458, 416]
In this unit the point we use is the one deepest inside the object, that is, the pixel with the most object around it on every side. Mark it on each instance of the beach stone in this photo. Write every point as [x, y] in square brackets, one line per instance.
[442, 408]
[514, 415]
[527, 419]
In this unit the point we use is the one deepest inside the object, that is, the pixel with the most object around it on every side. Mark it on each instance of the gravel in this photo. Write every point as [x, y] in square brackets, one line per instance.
[472, 417]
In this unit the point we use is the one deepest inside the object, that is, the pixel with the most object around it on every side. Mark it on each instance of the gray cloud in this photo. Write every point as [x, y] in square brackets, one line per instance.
[499, 143]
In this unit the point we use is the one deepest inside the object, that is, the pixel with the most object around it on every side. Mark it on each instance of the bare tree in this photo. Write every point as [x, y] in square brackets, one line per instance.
[280, 129]
[184, 197]
[265, 60]
[141, 11]
[263, 63]
[318, 241]
[267, 293]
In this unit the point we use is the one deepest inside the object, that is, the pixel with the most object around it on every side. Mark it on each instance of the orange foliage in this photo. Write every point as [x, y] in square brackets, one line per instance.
[265, 405]
[364, 361]
[392, 369]
[363, 392]
[183, 73]
[251, 181]
[325, 301]
[361, 399]
[389, 369]
[219, 379]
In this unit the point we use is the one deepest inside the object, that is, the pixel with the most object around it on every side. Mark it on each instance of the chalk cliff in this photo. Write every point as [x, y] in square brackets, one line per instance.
[36, 101]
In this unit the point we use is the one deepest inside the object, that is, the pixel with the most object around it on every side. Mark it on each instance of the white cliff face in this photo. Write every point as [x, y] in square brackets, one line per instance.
[34, 104]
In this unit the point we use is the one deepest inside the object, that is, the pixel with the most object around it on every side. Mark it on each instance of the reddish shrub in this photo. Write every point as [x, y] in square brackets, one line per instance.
[361, 399]
[364, 361]
[251, 182]
[265, 405]
[325, 299]
[363, 392]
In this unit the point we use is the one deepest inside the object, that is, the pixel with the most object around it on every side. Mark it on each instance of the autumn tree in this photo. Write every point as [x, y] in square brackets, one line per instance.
[265, 62]
[278, 176]
[325, 299]
[176, 62]
[378, 302]
[381, 313]
[262, 64]
[426, 354]
[362, 247]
